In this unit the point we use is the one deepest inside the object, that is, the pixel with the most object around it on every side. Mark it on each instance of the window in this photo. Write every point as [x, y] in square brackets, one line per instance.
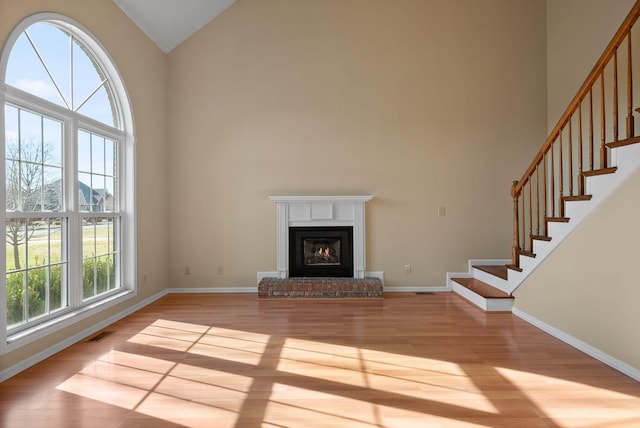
[69, 173]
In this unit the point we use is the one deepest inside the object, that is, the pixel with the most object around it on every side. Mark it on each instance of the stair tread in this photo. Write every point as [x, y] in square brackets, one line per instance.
[600, 171]
[496, 270]
[541, 237]
[558, 219]
[577, 198]
[514, 267]
[624, 142]
[482, 288]
[528, 253]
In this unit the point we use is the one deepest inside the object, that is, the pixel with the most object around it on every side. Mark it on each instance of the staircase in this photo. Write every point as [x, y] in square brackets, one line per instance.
[489, 284]
[485, 285]
[582, 162]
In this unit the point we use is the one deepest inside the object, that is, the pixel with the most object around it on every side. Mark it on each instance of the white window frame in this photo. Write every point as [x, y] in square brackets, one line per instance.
[72, 122]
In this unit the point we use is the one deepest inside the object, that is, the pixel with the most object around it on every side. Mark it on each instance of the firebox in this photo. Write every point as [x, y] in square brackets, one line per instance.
[321, 251]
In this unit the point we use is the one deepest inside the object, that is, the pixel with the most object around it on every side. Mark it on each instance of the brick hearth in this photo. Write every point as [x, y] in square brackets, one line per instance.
[277, 288]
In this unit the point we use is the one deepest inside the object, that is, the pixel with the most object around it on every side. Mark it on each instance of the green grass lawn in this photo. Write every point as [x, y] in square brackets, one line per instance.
[46, 249]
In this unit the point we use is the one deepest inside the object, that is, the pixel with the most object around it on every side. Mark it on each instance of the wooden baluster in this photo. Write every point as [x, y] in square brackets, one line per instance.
[615, 95]
[570, 156]
[523, 223]
[553, 182]
[538, 199]
[561, 178]
[515, 252]
[544, 192]
[603, 125]
[580, 142]
[630, 121]
[591, 136]
[530, 240]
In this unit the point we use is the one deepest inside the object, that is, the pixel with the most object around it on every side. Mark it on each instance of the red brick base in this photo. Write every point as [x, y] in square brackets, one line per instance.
[319, 288]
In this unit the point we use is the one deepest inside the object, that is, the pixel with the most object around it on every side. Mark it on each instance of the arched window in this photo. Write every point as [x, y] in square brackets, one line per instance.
[69, 173]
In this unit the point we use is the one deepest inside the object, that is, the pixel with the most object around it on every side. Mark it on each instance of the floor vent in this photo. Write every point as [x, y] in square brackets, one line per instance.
[424, 293]
[98, 337]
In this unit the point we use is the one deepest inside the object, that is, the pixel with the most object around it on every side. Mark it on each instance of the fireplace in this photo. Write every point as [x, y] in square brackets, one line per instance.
[334, 214]
[321, 251]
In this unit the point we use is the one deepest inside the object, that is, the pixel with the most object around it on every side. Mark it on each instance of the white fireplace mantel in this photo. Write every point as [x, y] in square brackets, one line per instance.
[327, 211]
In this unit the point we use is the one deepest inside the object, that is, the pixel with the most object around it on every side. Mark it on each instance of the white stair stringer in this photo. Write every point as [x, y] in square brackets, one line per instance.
[599, 187]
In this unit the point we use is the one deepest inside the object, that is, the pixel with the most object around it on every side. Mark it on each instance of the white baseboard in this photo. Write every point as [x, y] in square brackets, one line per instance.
[35, 359]
[415, 289]
[607, 359]
[212, 290]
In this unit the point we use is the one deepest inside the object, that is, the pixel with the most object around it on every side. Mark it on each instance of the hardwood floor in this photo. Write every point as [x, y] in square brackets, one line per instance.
[410, 360]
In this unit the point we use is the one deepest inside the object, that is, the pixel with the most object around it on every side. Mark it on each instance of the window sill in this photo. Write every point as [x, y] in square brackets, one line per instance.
[29, 335]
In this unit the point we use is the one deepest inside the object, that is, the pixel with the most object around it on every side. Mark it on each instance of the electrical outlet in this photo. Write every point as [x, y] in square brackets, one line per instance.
[407, 269]
[187, 270]
[144, 280]
[220, 270]
[442, 211]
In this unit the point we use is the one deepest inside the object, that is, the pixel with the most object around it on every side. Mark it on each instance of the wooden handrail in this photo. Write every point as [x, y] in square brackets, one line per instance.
[555, 159]
[584, 90]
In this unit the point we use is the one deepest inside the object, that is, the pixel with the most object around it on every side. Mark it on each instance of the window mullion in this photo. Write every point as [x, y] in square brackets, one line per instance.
[3, 203]
[26, 269]
[74, 222]
[71, 89]
[48, 267]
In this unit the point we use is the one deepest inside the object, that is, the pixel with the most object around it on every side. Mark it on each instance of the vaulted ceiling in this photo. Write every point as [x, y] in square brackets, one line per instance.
[170, 22]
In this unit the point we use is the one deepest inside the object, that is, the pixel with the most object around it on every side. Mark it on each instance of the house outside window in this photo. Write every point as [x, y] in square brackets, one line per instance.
[69, 174]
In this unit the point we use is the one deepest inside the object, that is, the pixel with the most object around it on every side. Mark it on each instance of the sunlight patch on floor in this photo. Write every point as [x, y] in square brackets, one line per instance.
[186, 412]
[621, 411]
[319, 383]
[105, 391]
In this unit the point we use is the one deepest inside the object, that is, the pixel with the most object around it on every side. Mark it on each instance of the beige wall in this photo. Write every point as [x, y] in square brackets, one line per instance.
[421, 103]
[143, 68]
[578, 31]
[588, 287]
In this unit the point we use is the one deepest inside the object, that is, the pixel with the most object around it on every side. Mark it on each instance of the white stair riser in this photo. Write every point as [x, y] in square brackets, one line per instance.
[499, 305]
[492, 280]
[577, 210]
[486, 304]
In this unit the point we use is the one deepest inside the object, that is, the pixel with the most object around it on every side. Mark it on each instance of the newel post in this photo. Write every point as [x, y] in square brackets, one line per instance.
[515, 252]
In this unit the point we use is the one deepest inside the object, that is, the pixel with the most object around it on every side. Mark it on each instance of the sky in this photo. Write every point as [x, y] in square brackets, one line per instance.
[47, 62]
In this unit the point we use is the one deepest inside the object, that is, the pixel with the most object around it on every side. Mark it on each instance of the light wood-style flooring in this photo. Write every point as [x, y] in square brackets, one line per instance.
[410, 360]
